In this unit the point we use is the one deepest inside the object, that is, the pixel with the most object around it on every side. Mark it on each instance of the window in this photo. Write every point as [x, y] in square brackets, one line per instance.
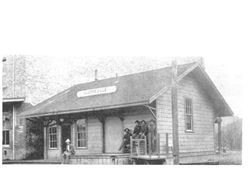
[53, 137]
[6, 137]
[81, 133]
[189, 114]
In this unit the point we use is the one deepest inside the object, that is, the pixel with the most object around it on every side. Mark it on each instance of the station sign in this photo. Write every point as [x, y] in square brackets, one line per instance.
[97, 91]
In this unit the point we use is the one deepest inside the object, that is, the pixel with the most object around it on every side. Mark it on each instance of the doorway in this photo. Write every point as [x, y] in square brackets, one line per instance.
[66, 134]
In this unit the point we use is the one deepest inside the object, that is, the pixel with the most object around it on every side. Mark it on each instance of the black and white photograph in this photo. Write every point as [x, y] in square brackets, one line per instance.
[115, 111]
[124, 96]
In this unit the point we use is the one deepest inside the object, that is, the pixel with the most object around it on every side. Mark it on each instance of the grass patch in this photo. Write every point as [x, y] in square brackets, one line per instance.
[231, 158]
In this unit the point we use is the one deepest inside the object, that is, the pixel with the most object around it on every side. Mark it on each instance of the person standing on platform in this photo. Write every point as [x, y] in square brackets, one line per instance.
[144, 129]
[152, 134]
[137, 130]
[125, 146]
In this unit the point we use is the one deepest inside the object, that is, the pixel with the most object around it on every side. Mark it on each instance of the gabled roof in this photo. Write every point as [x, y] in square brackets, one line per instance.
[132, 90]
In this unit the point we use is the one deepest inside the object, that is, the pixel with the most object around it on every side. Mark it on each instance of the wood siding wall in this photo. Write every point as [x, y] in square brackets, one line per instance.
[94, 129]
[202, 137]
[94, 132]
[164, 119]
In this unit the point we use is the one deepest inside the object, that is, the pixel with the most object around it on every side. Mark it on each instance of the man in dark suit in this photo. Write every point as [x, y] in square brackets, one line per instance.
[152, 135]
[125, 146]
[144, 129]
[137, 130]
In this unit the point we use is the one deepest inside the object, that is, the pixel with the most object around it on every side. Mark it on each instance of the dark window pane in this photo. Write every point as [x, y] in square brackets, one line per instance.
[189, 114]
[3, 142]
[7, 137]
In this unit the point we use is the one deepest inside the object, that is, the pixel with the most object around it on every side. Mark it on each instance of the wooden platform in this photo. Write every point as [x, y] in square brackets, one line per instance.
[149, 160]
[30, 162]
[101, 159]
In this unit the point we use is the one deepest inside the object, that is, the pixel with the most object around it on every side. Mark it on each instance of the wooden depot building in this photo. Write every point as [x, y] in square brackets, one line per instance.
[93, 115]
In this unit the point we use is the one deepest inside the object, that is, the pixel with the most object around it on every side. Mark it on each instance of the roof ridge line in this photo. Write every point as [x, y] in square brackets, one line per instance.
[195, 62]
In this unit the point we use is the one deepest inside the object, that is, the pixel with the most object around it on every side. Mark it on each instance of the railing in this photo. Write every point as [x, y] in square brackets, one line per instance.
[149, 146]
[138, 146]
[155, 148]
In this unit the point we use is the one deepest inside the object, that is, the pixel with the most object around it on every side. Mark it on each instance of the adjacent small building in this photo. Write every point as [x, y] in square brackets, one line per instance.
[13, 103]
[93, 115]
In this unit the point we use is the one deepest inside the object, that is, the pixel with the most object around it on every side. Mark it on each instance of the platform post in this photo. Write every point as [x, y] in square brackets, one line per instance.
[175, 113]
[131, 146]
[158, 144]
[218, 121]
[167, 147]
[45, 143]
[149, 145]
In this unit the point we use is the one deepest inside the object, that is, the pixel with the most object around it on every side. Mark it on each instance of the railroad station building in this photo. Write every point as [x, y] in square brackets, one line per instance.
[93, 115]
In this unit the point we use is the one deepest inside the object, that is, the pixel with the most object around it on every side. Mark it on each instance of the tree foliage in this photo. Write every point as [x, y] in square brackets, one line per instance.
[34, 140]
[231, 135]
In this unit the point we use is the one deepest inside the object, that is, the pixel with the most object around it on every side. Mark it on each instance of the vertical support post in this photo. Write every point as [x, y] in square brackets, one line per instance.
[145, 145]
[175, 113]
[60, 142]
[139, 149]
[73, 135]
[45, 143]
[158, 144]
[103, 136]
[219, 136]
[218, 121]
[13, 119]
[13, 132]
[167, 147]
[131, 146]
[149, 144]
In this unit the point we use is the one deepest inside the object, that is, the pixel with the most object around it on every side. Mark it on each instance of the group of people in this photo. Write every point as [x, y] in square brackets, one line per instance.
[142, 130]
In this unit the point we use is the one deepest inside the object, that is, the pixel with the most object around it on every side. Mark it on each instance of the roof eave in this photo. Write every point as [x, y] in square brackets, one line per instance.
[228, 111]
[146, 102]
[13, 100]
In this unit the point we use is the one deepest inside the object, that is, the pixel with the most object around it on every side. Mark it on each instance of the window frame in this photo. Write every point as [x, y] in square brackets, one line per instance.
[56, 134]
[5, 145]
[86, 134]
[189, 115]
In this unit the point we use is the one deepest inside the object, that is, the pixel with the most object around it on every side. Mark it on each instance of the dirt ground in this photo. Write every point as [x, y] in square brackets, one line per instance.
[231, 158]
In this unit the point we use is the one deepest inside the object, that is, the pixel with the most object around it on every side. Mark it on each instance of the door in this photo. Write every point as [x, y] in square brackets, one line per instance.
[66, 134]
[113, 134]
